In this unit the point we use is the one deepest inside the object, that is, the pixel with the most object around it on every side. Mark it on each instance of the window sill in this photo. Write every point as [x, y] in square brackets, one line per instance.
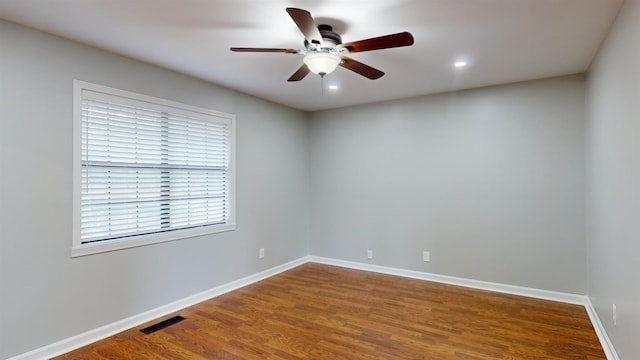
[113, 245]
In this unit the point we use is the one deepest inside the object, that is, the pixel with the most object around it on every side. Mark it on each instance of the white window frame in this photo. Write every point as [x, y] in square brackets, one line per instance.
[80, 249]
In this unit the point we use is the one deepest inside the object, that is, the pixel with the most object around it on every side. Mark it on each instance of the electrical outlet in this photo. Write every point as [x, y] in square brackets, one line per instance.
[426, 256]
[261, 254]
[614, 314]
[369, 254]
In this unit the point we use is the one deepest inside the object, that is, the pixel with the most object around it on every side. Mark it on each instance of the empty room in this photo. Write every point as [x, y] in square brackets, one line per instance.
[389, 179]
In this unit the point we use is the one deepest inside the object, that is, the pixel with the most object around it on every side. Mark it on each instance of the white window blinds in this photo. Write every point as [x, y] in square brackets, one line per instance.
[151, 168]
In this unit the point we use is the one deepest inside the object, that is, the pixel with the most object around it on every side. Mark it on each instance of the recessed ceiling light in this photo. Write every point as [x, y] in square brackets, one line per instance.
[333, 87]
[460, 64]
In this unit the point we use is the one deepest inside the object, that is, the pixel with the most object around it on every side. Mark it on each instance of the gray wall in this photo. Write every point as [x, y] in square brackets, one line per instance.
[46, 295]
[490, 181]
[613, 196]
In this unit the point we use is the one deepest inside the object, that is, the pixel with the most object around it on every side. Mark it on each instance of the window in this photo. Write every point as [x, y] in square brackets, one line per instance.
[148, 170]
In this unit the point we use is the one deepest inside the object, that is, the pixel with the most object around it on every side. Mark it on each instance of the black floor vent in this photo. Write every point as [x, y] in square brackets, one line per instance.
[162, 324]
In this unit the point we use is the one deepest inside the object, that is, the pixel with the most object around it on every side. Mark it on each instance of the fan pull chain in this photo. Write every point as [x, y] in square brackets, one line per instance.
[322, 85]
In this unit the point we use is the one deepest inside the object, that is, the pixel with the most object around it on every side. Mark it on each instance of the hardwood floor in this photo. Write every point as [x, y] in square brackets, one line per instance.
[317, 311]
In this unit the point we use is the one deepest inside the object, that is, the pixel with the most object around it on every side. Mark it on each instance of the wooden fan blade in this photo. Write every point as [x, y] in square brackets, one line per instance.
[276, 50]
[360, 68]
[306, 24]
[382, 42]
[300, 74]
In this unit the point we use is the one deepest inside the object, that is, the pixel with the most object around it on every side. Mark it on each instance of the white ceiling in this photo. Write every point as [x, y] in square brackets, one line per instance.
[502, 40]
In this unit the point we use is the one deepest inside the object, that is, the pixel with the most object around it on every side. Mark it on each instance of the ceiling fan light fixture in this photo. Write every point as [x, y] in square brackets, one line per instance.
[322, 63]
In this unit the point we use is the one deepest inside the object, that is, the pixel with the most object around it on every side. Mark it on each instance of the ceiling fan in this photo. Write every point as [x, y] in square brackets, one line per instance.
[324, 51]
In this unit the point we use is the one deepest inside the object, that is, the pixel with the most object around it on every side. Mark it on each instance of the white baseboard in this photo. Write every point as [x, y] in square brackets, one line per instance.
[100, 333]
[75, 342]
[475, 284]
[606, 343]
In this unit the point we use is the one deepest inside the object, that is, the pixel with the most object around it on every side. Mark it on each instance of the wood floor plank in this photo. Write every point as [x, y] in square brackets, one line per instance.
[318, 311]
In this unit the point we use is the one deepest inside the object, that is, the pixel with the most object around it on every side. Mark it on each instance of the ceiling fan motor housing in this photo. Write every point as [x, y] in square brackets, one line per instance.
[331, 39]
[328, 35]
